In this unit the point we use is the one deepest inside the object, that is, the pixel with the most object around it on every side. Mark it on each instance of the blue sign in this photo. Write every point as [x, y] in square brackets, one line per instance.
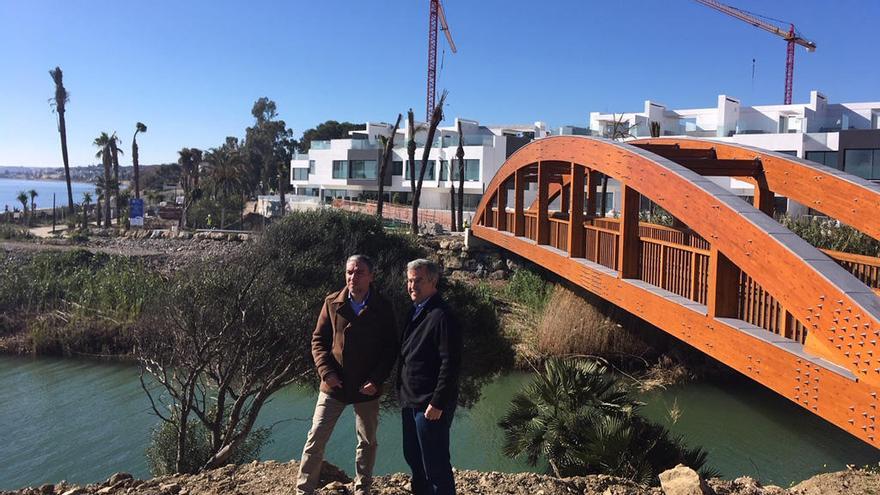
[136, 212]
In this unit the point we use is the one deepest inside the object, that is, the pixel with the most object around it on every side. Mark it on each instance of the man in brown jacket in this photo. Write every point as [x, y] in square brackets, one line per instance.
[354, 346]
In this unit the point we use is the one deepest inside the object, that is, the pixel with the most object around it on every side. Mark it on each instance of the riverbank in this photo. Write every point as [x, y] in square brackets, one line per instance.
[270, 478]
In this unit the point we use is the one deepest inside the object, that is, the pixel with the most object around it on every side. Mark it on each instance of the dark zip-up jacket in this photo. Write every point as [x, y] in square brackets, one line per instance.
[356, 348]
[430, 358]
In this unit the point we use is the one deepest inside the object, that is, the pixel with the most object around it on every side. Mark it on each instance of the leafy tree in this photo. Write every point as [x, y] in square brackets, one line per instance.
[59, 103]
[330, 129]
[577, 417]
[139, 127]
[266, 145]
[387, 149]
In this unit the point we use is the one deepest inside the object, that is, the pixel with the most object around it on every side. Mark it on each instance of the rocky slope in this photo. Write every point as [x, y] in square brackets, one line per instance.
[270, 478]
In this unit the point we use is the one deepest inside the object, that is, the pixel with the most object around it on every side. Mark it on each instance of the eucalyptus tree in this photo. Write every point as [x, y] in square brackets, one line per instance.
[103, 144]
[387, 150]
[139, 127]
[59, 104]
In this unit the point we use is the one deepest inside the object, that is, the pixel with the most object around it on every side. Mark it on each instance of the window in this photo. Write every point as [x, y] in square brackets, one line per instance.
[300, 174]
[362, 169]
[340, 169]
[471, 170]
[828, 158]
[444, 170]
[396, 167]
[311, 166]
[787, 152]
[429, 173]
[864, 163]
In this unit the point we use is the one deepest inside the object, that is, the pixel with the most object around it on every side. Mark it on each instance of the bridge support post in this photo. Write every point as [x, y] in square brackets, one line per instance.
[519, 189]
[764, 197]
[501, 219]
[576, 246]
[628, 255]
[543, 225]
[723, 294]
[592, 181]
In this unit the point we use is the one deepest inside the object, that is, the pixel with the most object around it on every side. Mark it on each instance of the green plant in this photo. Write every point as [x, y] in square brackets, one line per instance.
[14, 232]
[827, 233]
[529, 289]
[577, 417]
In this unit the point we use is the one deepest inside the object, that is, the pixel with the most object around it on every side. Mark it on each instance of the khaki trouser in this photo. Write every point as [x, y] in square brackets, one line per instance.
[327, 411]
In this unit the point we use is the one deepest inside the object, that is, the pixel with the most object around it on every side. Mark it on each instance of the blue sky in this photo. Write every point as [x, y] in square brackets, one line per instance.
[192, 70]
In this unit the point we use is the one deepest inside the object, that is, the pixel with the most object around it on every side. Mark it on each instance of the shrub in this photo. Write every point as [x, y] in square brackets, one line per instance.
[827, 233]
[529, 289]
[14, 232]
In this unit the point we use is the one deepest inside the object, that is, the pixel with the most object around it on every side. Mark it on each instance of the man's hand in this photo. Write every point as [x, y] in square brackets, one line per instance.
[368, 389]
[333, 381]
[432, 413]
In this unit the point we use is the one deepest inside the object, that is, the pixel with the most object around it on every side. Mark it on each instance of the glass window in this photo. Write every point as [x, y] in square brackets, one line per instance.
[311, 166]
[396, 167]
[444, 170]
[828, 158]
[340, 169]
[859, 162]
[429, 173]
[788, 152]
[362, 169]
[300, 174]
[471, 170]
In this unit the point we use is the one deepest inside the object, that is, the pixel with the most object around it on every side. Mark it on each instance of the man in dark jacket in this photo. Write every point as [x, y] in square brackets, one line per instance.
[430, 363]
[354, 347]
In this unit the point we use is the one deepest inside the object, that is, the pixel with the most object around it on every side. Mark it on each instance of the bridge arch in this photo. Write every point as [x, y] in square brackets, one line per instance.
[735, 284]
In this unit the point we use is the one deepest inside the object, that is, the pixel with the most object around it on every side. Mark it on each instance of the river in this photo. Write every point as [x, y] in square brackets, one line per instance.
[9, 189]
[81, 421]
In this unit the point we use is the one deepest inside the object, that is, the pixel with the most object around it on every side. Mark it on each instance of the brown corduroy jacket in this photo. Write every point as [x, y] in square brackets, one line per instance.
[356, 348]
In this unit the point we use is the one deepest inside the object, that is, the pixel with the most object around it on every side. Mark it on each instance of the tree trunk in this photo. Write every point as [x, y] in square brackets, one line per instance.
[436, 117]
[135, 165]
[107, 186]
[62, 129]
[281, 185]
[459, 153]
[452, 204]
[115, 156]
[98, 212]
[383, 167]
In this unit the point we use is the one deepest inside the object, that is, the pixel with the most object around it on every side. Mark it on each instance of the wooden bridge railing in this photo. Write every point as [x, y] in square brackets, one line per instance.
[677, 260]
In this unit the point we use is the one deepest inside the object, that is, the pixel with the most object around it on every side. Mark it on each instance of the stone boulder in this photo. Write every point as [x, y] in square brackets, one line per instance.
[682, 480]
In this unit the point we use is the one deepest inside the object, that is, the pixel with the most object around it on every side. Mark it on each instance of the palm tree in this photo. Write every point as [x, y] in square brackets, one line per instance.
[114, 155]
[139, 127]
[100, 198]
[575, 416]
[23, 199]
[225, 173]
[87, 200]
[59, 103]
[436, 117]
[189, 160]
[459, 154]
[33, 194]
[103, 144]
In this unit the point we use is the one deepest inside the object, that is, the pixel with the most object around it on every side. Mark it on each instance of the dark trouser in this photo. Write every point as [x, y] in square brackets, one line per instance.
[426, 450]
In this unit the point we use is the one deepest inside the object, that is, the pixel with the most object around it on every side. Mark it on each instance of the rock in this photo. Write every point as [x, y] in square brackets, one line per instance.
[116, 478]
[105, 490]
[682, 480]
[169, 488]
[452, 263]
[75, 491]
[47, 489]
[498, 275]
[512, 265]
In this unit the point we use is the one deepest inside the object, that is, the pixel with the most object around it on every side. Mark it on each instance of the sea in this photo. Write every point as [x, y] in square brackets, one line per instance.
[9, 189]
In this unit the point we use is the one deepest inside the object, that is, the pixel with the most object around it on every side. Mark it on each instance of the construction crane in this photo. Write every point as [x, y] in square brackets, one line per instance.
[791, 36]
[436, 14]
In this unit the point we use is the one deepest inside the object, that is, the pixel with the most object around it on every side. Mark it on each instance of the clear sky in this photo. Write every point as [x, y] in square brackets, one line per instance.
[191, 70]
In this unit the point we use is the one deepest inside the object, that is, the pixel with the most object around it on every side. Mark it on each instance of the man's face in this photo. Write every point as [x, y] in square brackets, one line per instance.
[358, 278]
[419, 285]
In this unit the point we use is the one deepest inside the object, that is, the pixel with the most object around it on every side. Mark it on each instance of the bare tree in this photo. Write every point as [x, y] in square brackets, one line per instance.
[459, 155]
[139, 127]
[387, 149]
[436, 117]
[214, 349]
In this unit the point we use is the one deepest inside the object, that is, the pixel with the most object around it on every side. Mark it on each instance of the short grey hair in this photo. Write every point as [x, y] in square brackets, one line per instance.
[431, 268]
[362, 259]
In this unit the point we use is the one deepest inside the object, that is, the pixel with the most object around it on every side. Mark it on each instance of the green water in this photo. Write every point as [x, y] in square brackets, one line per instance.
[82, 421]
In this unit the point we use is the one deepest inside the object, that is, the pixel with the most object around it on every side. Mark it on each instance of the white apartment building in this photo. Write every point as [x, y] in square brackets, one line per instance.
[348, 168]
[845, 136]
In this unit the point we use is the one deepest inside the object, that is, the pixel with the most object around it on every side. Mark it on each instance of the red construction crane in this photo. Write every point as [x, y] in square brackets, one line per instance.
[791, 36]
[436, 13]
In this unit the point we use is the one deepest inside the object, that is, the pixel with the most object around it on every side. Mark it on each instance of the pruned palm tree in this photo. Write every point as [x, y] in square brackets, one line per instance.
[23, 199]
[436, 117]
[139, 127]
[114, 156]
[387, 150]
[87, 200]
[189, 160]
[59, 104]
[103, 144]
[459, 155]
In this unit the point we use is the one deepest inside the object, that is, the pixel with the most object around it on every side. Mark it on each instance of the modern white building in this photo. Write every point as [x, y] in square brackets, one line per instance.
[845, 136]
[348, 168]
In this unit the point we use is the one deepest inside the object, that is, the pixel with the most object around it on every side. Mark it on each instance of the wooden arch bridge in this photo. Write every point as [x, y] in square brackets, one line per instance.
[726, 278]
